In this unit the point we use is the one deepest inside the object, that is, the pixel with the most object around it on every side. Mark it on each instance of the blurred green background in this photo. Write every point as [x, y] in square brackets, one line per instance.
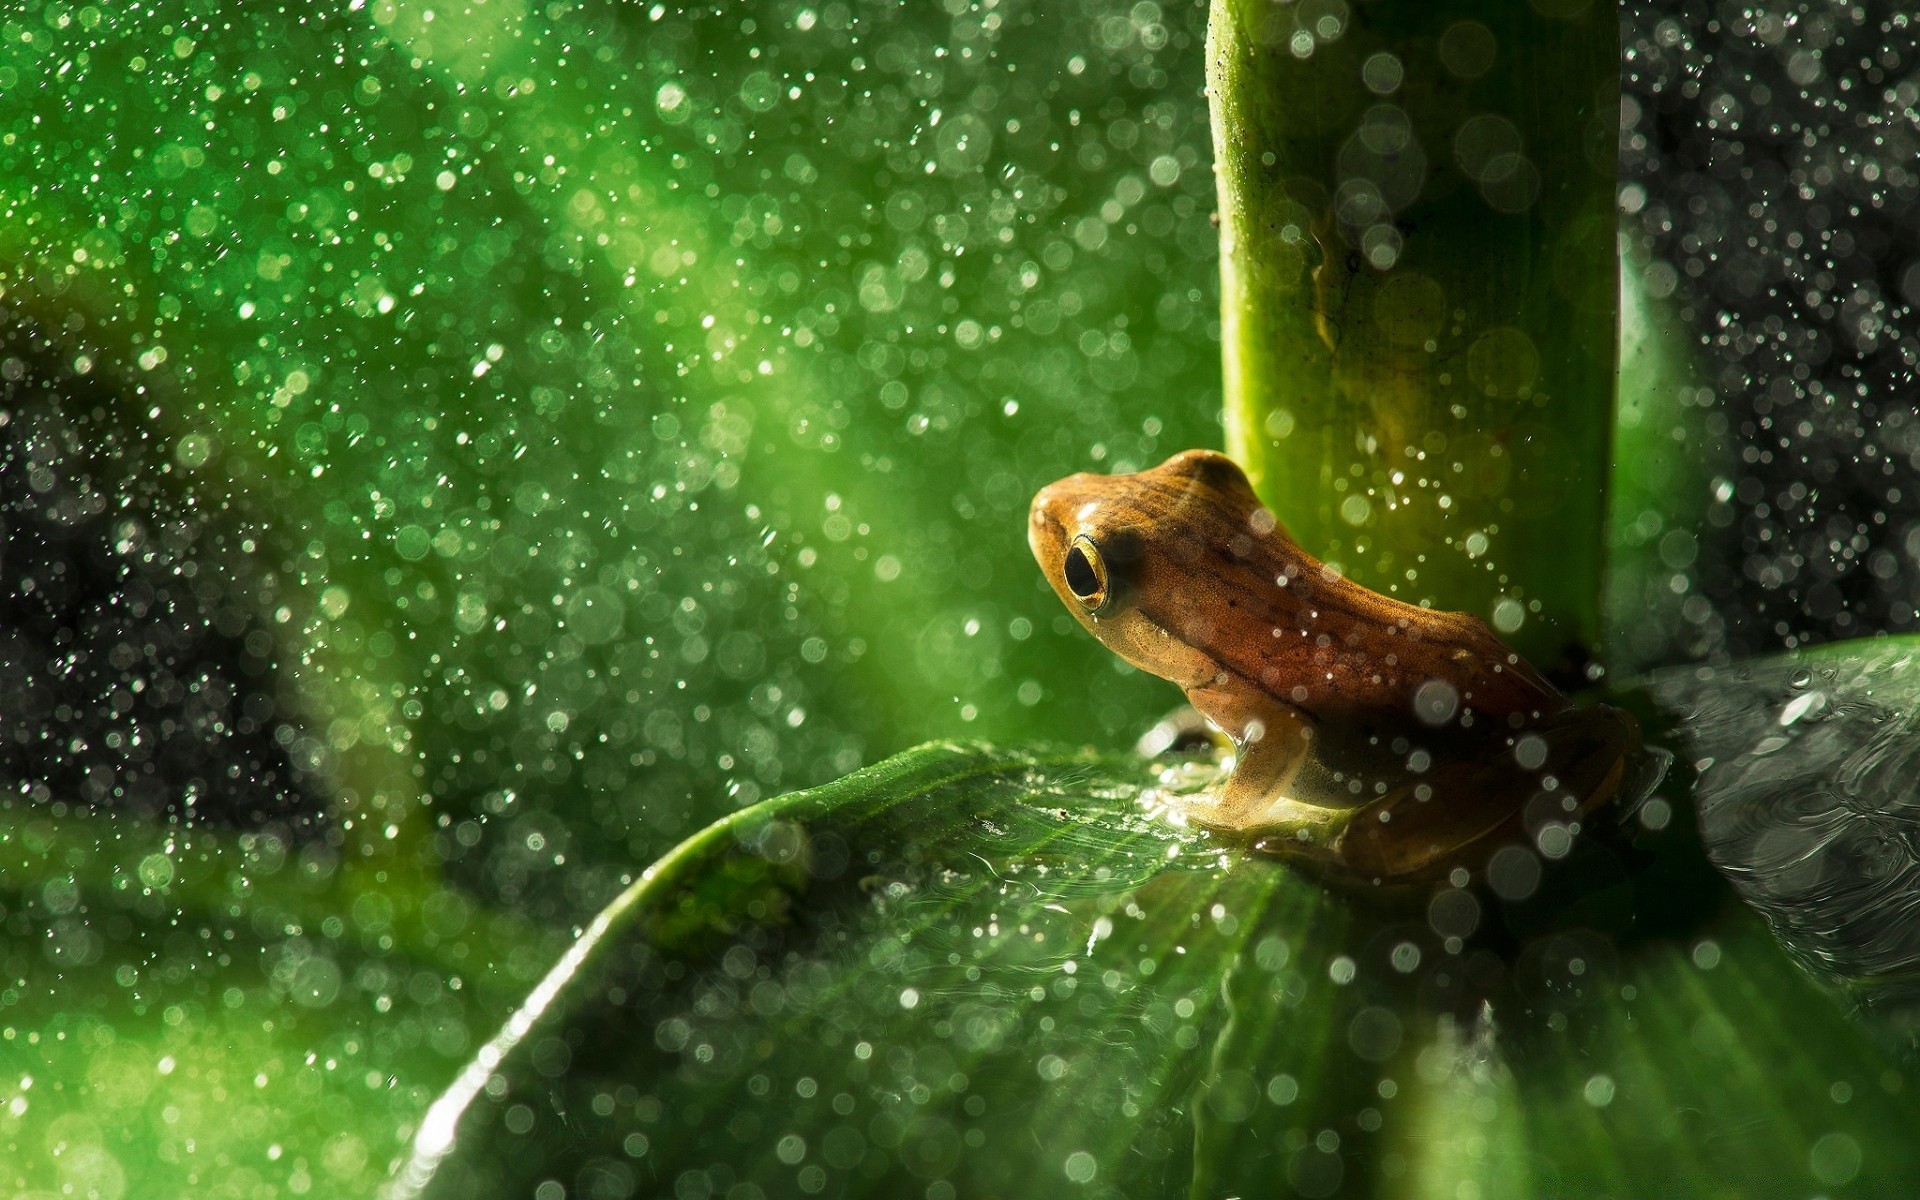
[576, 422]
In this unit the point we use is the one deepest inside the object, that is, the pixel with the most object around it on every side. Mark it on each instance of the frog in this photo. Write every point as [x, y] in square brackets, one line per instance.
[1386, 740]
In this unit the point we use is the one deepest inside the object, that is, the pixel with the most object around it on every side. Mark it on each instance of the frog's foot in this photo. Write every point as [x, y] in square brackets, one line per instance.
[1275, 823]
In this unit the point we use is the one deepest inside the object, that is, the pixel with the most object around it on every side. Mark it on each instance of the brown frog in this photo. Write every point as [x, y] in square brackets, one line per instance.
[1384, 739]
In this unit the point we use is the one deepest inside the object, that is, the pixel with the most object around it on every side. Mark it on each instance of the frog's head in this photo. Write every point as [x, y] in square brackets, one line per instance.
[1128, 553]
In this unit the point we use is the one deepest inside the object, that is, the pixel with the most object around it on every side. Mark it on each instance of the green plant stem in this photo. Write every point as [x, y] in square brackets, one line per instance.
[1420, 294]
[1670, 448]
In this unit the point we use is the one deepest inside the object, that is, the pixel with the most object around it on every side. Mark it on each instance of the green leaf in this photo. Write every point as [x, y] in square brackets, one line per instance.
[972, 971]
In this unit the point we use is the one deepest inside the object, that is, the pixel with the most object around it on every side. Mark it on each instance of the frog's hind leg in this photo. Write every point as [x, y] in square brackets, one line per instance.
[1463, 810]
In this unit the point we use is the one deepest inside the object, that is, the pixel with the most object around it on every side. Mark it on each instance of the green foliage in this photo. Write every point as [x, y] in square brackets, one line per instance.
[625, 438]
[979, 972]
[231, 1009]
[608, 416]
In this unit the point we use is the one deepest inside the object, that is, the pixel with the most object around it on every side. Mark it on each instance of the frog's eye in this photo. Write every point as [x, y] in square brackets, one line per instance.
[1085, 572]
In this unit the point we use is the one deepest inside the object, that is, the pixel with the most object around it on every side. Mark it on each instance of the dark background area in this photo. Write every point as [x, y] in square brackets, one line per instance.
[1770, 166]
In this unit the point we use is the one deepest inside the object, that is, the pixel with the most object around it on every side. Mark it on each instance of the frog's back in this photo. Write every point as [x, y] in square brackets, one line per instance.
[1274, 615]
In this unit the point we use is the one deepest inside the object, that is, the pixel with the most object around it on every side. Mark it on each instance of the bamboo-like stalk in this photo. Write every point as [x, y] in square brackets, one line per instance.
[1420, 293]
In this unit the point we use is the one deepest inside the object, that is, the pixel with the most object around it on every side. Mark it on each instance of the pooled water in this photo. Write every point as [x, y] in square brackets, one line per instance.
[1807, 801]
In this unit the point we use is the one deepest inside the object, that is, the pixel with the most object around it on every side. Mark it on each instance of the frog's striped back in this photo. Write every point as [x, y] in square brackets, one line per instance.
[1199, 557]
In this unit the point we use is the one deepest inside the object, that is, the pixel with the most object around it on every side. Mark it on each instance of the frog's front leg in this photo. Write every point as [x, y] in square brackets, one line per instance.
[1273, 740]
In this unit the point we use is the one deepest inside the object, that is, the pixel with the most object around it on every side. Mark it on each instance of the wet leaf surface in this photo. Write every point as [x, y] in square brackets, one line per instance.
[971, 971]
